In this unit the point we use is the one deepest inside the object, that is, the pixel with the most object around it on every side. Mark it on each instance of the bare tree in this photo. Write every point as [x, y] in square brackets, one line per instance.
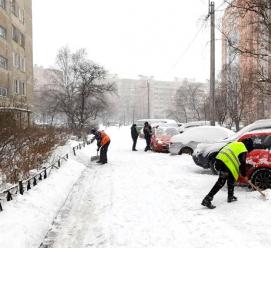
[253, 17]
[189, 102]
[238, 90]
[81, 88]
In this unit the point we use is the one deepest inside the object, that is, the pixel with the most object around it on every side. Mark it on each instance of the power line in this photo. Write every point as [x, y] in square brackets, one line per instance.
[187, 48]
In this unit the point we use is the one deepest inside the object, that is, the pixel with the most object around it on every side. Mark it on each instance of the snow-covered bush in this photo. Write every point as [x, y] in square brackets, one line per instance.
[22, 150]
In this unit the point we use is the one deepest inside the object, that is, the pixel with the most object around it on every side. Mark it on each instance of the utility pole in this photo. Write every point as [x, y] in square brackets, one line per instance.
[212, 61]
[148, 86]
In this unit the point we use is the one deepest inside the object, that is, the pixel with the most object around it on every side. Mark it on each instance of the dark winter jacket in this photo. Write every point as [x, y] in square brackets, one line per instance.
[98, 137]
[147, 131]
[134, 132]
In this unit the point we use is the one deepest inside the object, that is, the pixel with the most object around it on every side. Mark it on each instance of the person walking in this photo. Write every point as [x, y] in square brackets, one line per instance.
[147, 134]
[103, 141]
[134, 134]
[230, 162]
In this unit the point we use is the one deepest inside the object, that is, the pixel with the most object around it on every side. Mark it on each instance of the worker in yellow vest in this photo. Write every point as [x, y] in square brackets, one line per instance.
[230, 162]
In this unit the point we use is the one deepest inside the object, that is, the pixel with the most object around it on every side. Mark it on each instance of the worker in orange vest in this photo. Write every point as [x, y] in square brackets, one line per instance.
[103, 142]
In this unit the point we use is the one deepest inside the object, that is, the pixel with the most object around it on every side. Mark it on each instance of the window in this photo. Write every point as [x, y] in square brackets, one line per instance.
[22, 88]
[19, 87]
[3, 92]
[15, 35]
[267, 142]
[16, 86]
[260, 141]
[3, 4]
[22, 64]
[18, 62]
[3, 62]
[3, 32]
[22, 40]
[18, 37]
[21, 15]
[14, 8]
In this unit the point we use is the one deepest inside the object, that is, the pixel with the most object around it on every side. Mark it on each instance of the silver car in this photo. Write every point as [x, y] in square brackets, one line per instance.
[186, 142]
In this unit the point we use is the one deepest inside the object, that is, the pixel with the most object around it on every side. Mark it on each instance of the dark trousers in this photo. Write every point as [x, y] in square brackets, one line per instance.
[134, 143]
[148, 142]
[103, 152]
[225, 175]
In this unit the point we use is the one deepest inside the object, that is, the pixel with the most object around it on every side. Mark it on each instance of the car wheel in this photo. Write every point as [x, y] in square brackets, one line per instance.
[262, 178]
[186, 150]
[213, 168]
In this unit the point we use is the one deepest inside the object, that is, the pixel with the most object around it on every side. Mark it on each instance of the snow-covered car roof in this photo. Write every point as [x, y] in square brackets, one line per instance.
[201, 134]
[167, 130]
[265, 130]
[206, 148]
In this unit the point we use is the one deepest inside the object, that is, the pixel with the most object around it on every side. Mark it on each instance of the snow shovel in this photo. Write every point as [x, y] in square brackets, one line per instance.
[95, 158]
[258, 189]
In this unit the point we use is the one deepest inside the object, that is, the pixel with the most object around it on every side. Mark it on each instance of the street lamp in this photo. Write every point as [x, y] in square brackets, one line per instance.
[147, 78]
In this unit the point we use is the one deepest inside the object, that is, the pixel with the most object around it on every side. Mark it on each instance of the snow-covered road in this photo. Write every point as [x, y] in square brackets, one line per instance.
[148, 199]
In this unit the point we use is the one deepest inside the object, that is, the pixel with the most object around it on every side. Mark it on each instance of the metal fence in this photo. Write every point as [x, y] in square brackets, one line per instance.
[26, 185]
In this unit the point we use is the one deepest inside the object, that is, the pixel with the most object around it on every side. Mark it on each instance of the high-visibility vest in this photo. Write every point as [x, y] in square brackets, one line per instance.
[105, 138]
[229, 156]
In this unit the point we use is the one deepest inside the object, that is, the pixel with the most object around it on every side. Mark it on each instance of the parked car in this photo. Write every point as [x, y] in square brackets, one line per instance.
[259, 160]
[187, 141]
[204, 154]
[154, 122]
[188, 125]
[161, 137]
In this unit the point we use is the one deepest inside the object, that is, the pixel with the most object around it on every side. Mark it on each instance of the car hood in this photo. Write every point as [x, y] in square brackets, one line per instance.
[163, 138]
[206, 148]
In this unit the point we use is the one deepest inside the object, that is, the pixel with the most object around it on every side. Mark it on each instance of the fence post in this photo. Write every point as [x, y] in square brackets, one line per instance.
[45, 173]
[40, 177]
[9, 196]
[58, 163]
[67, 156]
[74, 151]
[28, 185]
[1, 209]
[21, 187]
[34, 181]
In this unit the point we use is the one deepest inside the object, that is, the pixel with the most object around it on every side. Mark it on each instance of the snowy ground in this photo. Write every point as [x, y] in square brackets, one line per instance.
[137, 200]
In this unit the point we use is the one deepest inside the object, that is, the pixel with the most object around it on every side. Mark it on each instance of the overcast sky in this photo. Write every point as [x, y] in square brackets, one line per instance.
[164, 39]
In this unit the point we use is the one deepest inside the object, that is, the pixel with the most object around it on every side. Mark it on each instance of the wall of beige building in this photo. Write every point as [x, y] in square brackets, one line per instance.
[16, 47]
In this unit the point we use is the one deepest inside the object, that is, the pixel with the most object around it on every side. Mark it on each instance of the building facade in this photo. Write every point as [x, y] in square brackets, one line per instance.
[142, 98]
[245, 39]
[16, 59]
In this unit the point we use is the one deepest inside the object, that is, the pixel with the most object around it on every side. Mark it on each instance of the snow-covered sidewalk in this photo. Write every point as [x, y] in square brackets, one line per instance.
[138, 199]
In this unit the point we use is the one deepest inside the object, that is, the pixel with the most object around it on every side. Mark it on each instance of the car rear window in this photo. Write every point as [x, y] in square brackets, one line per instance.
[261, 141]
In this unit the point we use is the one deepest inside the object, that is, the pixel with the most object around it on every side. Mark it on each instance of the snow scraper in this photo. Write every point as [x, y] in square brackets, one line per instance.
[95, 158]
[258, 189]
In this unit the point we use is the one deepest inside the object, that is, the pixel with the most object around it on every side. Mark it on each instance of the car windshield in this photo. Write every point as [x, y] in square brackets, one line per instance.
[167, 131]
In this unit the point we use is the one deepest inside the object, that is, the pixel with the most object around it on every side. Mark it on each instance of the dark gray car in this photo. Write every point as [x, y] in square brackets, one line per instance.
[205, 153]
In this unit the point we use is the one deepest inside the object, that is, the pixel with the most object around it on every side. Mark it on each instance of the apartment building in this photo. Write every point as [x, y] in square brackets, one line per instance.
[142, 97]
[243, 30]
[16, 60]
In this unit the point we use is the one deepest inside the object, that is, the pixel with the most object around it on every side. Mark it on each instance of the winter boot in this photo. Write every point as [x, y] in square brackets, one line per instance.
[232, 198]
[207, 202]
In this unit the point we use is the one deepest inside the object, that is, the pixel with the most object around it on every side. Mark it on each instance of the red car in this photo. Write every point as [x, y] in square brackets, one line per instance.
[259, 160]
[161, 138]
